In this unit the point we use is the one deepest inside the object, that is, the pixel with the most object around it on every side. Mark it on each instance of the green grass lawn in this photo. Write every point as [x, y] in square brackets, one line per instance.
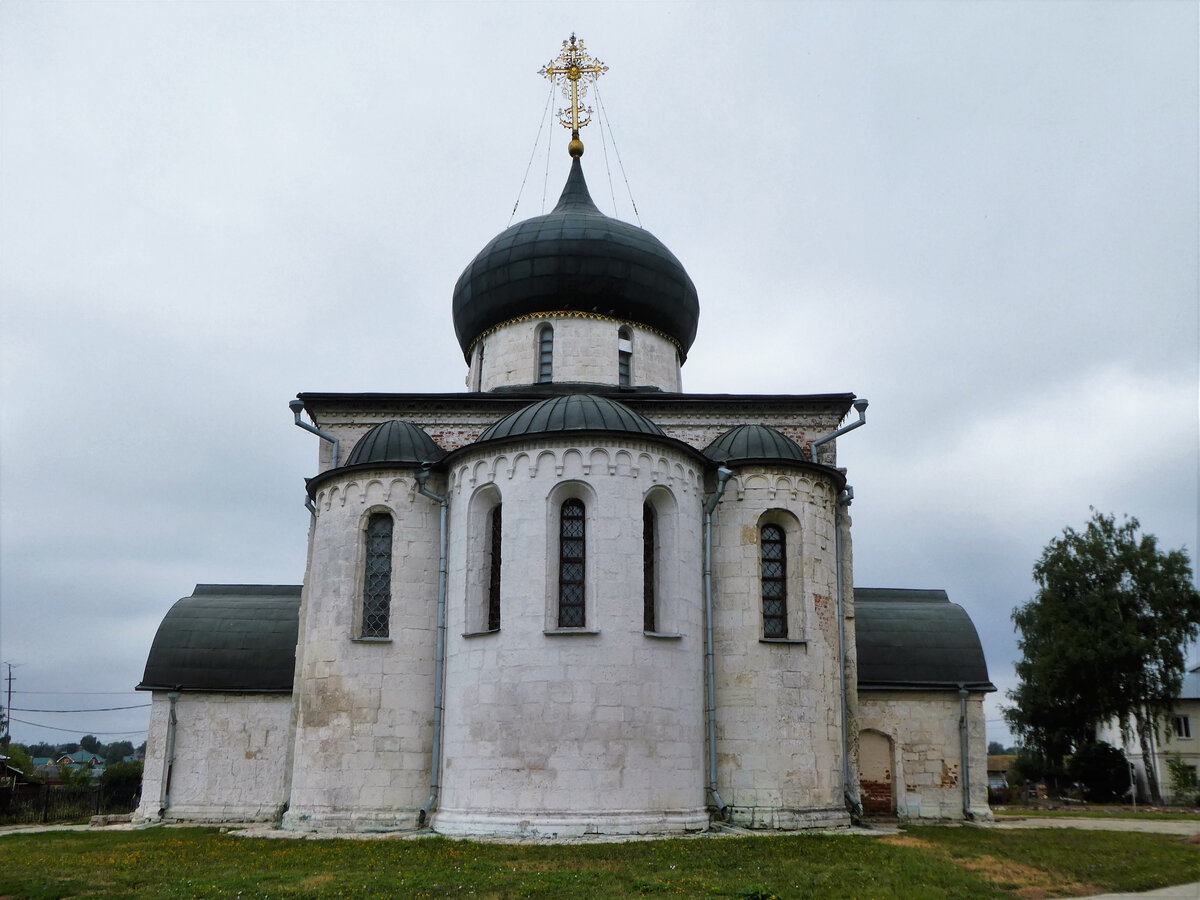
[925, 862]
[1091, 812]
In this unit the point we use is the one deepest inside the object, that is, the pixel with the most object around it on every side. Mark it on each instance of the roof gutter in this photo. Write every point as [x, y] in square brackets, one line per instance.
[439, 658]
[297, 407]
[710, 702]
[850, 791]
[966, 754]
[861, 405]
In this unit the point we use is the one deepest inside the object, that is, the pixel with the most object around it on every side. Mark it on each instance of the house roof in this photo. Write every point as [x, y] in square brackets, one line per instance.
[235, 638]
[916, 640]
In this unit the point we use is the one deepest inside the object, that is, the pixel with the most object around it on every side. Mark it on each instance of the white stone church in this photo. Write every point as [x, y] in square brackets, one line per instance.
[571, 600]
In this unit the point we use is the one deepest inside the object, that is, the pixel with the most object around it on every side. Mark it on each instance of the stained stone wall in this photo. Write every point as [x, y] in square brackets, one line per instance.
[779, 732]
[230, 753]
[928, 770]
[593, 729]
[364, 706]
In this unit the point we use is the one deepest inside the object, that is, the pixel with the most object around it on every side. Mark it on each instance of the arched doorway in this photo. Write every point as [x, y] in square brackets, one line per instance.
[876, 780]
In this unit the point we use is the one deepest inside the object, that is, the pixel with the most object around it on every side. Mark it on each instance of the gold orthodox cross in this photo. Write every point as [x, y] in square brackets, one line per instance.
[574, 70]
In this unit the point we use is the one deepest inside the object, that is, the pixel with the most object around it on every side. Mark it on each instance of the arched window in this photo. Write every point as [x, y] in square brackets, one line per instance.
[624, 357]
[377, 580]
[649, 526]
[545, 354]
[774, 581]
[570, 564]
[494, 572]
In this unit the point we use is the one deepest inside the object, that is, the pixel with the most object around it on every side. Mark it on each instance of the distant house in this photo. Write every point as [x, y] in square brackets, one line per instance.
[1178, 735]
[998, 767]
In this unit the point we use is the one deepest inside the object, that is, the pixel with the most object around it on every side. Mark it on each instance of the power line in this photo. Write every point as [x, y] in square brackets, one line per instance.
[94, 694]
[93, 709]
[77, 730]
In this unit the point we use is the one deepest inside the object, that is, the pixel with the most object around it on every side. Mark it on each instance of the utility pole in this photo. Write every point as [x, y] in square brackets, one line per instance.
[8, 714]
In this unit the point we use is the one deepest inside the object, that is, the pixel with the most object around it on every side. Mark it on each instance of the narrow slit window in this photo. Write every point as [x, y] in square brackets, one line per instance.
[624, 357]
[377, 580]
[774, 581]
[494, 573]
[545, 355]
[648, 568]
[571, 565]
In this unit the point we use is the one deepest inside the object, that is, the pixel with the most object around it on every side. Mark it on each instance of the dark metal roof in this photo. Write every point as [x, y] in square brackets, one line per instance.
[574, 412]
[235, 638]
[397, 443]
[914, 640]
[754, 443]
[576, 258]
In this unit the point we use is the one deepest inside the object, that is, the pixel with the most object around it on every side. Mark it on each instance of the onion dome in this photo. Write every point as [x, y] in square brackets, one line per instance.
[575, 258]
[574, 412]
[755, 443]
[395, 443]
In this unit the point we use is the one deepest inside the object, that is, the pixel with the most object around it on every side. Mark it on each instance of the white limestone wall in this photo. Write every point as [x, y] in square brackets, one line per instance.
[585, 350]
[364, 707]
[230, 757]
[928, 770]
[779, 734]
[593, 730]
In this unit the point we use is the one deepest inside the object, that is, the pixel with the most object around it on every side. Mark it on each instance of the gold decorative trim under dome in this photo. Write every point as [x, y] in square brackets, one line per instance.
[573, 314]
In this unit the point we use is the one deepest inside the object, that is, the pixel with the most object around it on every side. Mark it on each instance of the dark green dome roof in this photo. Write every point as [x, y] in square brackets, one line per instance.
[576, 258]
[757, 443]
[395, 443]
[574, 412]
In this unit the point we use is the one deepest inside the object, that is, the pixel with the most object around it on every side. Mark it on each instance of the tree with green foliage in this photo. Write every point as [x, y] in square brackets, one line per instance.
[1183, 781]
[1103, 638]
[91, 744]
[1102, 770]
[117, 751]
[19, 759]
[75, 777]
[121, 782]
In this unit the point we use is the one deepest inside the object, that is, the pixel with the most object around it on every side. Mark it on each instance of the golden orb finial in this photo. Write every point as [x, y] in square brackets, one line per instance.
[574, 70]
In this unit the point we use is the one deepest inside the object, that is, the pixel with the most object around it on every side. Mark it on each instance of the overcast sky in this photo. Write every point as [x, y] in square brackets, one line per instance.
[982, 217]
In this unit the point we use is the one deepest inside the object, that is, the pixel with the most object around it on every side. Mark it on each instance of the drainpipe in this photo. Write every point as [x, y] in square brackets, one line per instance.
[966, 756]
[164, 799]
[849, 786]
[723, 475]
[439, 659]
[860, 404]
[297, 407]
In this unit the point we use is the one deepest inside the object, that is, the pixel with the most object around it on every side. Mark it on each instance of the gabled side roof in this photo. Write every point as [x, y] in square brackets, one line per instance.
[916, 640]
[233, 638]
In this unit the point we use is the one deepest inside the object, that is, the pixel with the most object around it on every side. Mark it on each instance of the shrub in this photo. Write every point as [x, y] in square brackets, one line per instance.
[1102, 770]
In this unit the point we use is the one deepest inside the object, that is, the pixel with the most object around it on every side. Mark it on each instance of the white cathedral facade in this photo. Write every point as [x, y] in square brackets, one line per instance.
[571, 600]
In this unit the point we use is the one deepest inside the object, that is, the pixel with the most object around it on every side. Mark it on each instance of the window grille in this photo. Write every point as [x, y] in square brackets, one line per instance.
[377, 581]
[494, 574]
[624, 358]
[774, 581]
[648, 574]
[545, 354]
[570, 565]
